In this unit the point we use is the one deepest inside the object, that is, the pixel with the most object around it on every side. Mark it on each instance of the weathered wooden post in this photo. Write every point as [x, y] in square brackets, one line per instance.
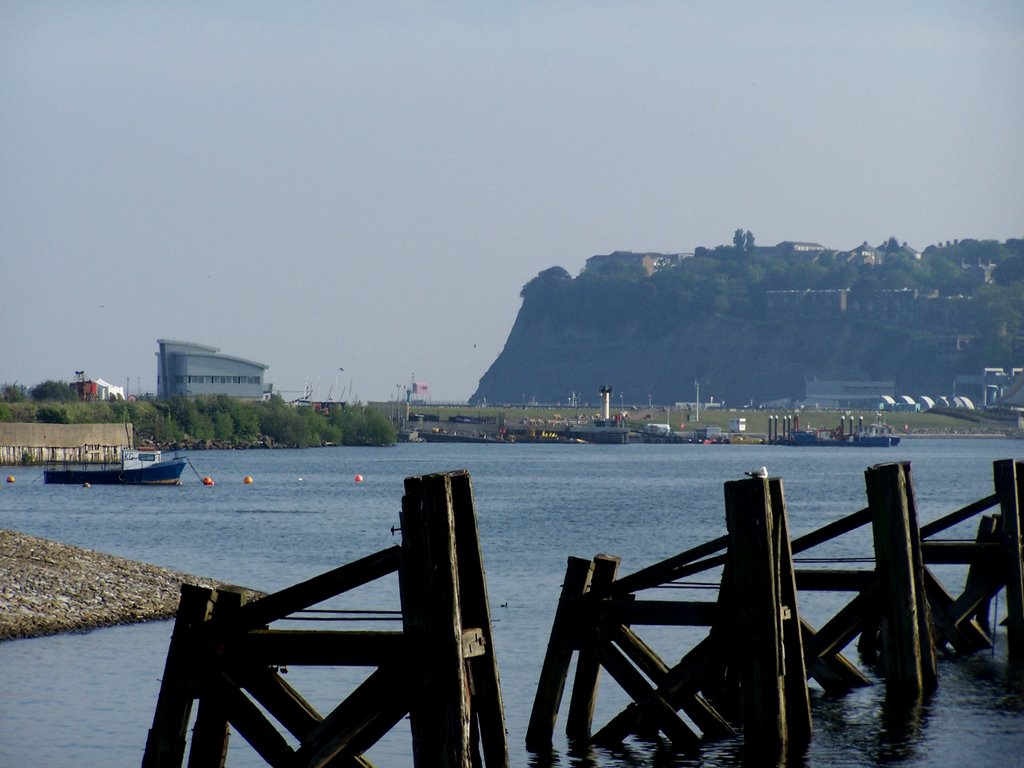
[761, 604]
[561, 644]
[212, 731]
[1009, 482]
[798, 699]
[488, 710]
[907, 645]
[441, 710]
[165, 744]
[588, 668]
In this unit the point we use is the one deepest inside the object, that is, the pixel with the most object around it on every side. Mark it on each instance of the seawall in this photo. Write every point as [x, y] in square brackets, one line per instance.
[36, 443]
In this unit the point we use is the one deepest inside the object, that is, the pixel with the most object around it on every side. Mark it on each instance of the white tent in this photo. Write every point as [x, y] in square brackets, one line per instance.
[107, 391]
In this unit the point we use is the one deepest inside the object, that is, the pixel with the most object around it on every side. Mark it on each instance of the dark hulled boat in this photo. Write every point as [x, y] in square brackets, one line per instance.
[134, 468]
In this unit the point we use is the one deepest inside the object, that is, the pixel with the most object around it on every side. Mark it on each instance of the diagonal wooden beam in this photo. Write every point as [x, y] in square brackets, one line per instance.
[948, 521]
[675, 567]
[251, 724]
[299, 596]
[282, 701]
[651, 705]
[956, 627]
[357, 723]
[833, 671]
[836, 528]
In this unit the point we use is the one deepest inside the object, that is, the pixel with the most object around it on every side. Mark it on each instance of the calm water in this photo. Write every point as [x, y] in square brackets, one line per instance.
[88, 700]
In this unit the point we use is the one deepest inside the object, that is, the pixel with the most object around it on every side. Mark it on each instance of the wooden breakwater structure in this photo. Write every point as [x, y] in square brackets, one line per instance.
[750, 671]
[23, 443]
[440, 669]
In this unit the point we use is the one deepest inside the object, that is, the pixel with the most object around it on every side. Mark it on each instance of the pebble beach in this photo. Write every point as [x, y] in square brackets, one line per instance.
[47, 588]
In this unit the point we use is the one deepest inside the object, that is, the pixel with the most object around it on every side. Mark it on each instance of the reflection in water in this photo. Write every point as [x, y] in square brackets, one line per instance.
[904, 720]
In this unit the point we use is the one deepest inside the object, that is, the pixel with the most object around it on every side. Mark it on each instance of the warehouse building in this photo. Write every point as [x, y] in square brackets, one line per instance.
[184, 368]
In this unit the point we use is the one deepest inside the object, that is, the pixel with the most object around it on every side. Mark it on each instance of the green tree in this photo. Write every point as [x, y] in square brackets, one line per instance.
[12, 393]
[1009, 271]
[280, 423]
[52, 414]
[50, 390]
[743, 241]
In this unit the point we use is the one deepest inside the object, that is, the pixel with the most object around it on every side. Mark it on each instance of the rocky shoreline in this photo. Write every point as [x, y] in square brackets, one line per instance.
[48, 588]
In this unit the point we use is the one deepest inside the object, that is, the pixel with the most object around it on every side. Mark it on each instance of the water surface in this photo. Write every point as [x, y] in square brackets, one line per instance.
[88, 699]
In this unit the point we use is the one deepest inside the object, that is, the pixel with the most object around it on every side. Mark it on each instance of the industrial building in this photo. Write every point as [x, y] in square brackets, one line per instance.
[184, 368]
[847, 394]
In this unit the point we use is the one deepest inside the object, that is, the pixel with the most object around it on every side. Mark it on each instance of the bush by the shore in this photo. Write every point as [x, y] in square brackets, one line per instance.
[216, 421]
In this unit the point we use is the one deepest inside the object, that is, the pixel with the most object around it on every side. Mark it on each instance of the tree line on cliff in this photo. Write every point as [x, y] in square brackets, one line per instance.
[707, 317]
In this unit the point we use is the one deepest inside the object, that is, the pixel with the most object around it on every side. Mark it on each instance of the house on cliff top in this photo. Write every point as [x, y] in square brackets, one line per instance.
[649, 262]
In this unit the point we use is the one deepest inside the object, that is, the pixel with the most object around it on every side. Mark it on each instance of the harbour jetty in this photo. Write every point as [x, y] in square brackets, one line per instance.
[47, 588]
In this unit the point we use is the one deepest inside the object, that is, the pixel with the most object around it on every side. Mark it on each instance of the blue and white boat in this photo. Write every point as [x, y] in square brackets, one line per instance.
[134, 468]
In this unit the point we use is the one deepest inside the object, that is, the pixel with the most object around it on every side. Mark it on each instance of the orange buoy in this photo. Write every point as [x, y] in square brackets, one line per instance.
[359, 478]
[87, 485]
[10, 478]
[207, 480]
[247, 479]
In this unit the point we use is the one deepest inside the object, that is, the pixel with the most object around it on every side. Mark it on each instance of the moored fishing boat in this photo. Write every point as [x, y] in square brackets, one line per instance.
[134, 468]
[876, 435]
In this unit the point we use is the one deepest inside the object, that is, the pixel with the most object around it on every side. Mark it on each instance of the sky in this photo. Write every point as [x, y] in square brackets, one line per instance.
[355, 193]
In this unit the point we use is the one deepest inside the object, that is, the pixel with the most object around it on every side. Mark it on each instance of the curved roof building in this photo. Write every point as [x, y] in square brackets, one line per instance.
[184, 368]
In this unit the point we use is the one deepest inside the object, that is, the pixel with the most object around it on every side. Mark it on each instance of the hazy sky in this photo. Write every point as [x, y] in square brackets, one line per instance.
[368, 186]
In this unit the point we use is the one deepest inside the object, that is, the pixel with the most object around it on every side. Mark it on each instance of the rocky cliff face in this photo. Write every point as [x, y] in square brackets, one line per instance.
[572, 344]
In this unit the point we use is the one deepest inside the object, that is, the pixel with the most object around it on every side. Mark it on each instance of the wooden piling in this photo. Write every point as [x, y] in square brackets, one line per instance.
[588, 668]
[756, 574]
[440, 711]
[212, 730]
[907, 647]
[1009, 480]
[561, 644]
[797, 701]
[487, 708]
[165, 744]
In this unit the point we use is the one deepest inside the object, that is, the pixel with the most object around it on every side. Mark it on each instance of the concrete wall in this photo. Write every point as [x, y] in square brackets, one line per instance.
[63, 442]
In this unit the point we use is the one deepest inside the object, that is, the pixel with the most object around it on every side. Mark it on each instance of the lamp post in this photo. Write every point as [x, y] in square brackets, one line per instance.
[697, 384]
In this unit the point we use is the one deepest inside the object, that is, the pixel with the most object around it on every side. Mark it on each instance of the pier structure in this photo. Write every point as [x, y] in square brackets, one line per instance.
[750, 671]
[226, 657]
[746, 671]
